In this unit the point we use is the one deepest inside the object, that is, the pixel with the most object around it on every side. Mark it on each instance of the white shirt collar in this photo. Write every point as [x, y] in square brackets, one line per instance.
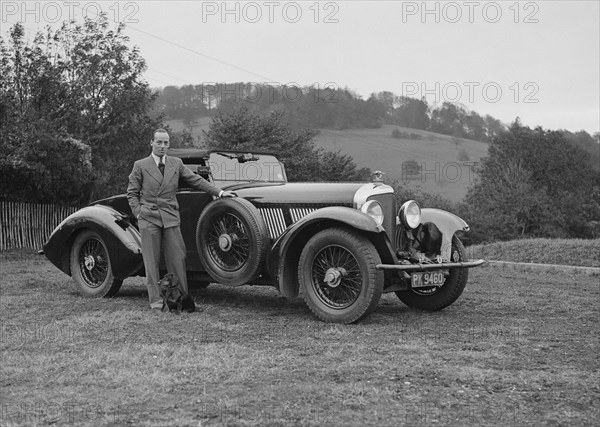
[157, 159]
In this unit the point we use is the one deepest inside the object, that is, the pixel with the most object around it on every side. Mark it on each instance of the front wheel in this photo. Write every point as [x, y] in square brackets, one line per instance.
[90, 266]
[437, 298]
[338, 276]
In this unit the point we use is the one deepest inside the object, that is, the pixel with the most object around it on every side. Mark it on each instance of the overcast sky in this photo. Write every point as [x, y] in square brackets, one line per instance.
[536, 60]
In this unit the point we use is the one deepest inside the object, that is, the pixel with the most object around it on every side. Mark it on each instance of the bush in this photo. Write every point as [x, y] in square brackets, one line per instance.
[398, 134]
[533, 184]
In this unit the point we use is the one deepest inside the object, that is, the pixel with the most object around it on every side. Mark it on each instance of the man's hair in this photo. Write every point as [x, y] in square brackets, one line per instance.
[159, 130]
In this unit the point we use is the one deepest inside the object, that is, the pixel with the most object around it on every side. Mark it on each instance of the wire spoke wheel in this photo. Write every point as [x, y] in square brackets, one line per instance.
[228, 243]
[93, 263]
[232, 241]
[338, 275]
[90, 266]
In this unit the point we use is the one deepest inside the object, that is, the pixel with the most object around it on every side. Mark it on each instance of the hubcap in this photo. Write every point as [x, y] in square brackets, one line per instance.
[94, 264]
[336, 277]
[333, 277]
[228, 243]
[225, 242]
[89, 262]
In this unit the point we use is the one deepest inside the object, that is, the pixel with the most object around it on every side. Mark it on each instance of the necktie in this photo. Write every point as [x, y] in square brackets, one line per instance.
[161, 166]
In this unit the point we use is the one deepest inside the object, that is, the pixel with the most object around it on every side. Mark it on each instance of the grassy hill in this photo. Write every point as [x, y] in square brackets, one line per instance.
[445, 161]
[196, 128]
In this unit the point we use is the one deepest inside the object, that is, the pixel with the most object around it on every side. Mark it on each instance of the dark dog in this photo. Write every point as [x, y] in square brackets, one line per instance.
[174, 298]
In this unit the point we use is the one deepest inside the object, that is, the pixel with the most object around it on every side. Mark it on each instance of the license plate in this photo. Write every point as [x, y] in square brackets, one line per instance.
[425, 280]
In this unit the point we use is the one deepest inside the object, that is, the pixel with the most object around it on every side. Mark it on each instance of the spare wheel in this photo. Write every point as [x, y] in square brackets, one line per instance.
[232, 240]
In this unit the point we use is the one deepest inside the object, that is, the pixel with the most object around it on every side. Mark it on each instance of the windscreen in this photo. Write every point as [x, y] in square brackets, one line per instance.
[245, 167]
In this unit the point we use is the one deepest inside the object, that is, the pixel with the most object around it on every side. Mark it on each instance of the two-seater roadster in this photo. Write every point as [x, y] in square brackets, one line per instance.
[339, 245]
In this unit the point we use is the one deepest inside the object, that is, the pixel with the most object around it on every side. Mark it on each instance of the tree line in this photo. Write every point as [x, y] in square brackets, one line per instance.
[317, 107]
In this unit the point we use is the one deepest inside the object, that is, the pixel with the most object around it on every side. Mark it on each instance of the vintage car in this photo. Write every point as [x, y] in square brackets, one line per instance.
[339, 245]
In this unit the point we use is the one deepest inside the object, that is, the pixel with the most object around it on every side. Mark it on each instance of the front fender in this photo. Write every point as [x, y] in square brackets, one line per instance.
[448, 224]
[282, 261]
[122, 239]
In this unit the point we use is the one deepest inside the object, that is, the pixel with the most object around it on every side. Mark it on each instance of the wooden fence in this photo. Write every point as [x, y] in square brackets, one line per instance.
[28, 225]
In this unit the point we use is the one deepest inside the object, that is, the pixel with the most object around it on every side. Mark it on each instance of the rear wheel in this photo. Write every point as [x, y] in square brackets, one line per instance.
[91, 268]
[437, 298]
[338, 276]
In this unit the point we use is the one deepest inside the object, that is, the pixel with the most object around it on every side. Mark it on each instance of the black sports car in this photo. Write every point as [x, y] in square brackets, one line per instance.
[342, 244]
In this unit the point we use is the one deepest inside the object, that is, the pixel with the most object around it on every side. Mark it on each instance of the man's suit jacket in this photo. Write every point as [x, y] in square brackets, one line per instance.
[152, 197]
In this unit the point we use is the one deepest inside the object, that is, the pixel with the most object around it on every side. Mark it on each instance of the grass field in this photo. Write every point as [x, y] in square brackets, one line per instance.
[444, 171]
[517, 348]
[578, 252]
[196, 128]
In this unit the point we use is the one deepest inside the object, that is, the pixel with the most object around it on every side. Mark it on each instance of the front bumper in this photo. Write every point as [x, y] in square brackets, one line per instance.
[425, 267]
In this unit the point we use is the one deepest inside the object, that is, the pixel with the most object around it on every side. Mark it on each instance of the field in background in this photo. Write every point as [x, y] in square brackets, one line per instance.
[446, 162]
[517, 348]
[195, 128]
[578, 252]
[444, 170]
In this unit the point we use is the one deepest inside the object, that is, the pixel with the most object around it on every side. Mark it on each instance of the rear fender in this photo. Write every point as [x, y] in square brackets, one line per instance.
[448, 224]
[282, 261]
[122, 239]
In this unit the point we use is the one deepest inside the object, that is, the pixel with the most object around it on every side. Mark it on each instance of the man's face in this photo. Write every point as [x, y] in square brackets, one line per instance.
[160, 143]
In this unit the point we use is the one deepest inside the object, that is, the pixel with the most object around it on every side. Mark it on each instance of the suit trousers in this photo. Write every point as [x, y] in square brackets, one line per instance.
[170, 240]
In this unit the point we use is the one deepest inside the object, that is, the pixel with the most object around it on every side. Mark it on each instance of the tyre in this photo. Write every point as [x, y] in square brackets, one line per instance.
[338, 276]
[91, 268]
[437, 298]
[232, 241]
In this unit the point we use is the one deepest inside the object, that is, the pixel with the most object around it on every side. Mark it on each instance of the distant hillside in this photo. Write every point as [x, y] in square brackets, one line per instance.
[445, 161]
[196, 128]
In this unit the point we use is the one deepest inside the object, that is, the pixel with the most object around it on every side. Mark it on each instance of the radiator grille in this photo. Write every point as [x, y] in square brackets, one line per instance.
[274, 220]
[298, 213]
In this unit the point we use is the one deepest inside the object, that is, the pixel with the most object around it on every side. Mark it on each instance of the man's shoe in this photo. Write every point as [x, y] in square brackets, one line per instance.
[198, 307]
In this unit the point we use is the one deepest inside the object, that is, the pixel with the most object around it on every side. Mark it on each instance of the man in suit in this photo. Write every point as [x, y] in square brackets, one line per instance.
[151, 193]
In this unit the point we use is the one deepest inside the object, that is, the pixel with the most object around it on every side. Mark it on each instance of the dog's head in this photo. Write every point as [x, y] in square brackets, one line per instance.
[169, 286]
[174, 299]
[169, 282]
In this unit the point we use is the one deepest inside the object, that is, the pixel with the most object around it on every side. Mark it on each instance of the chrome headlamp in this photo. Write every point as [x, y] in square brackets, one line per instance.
[374, 210]
[410, 214]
